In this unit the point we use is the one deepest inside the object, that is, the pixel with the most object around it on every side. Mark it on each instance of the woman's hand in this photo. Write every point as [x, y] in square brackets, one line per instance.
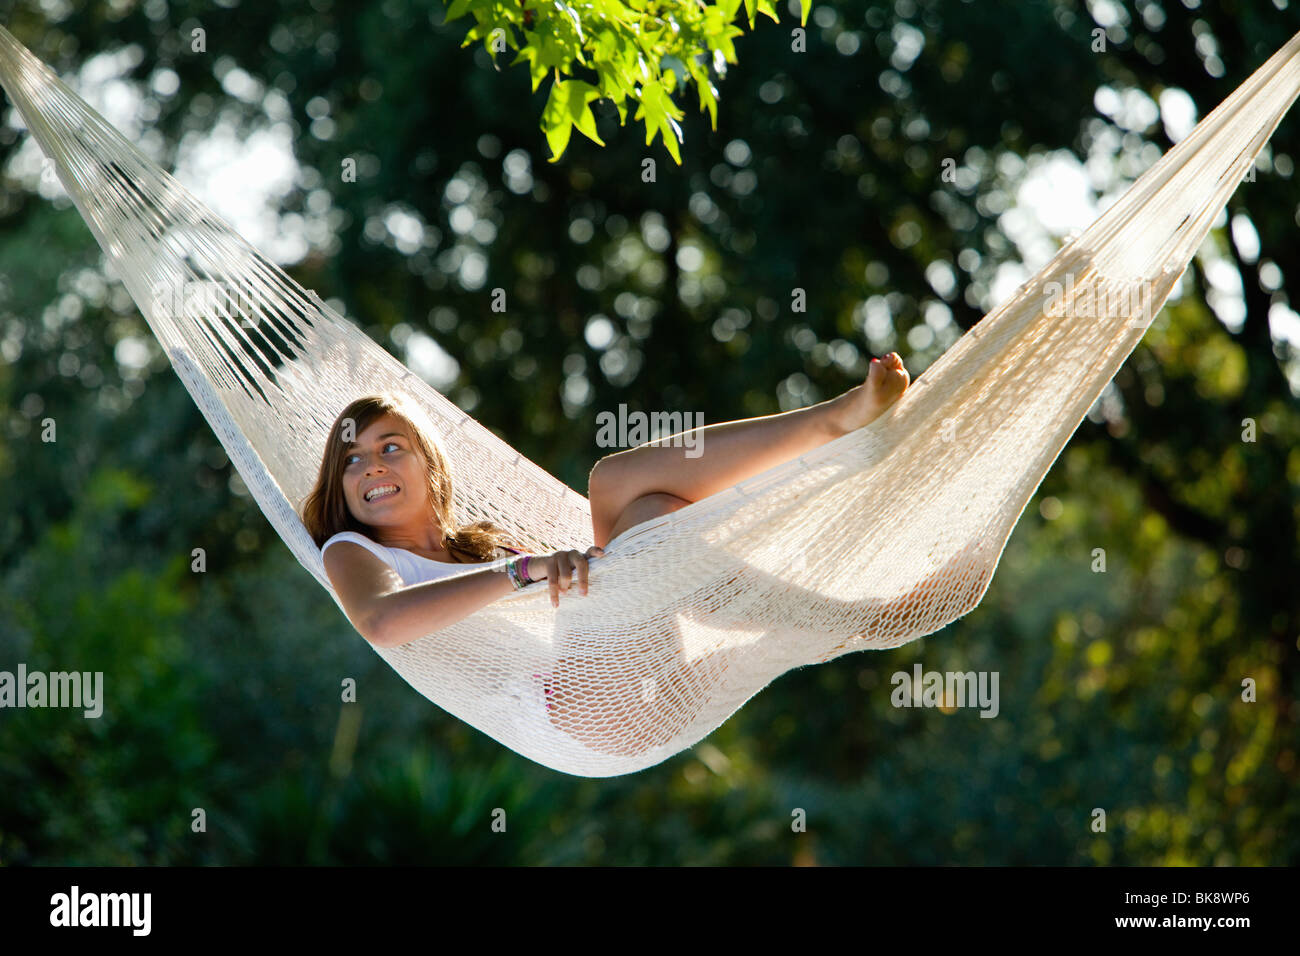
[558, 569]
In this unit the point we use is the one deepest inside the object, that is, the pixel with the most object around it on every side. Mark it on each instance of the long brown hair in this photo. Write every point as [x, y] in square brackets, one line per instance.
[325, 511]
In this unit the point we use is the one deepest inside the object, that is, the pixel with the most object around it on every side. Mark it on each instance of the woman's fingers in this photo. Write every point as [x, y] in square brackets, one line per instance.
[561, 567]
[554, 567]
[566, 570]
[563, 575]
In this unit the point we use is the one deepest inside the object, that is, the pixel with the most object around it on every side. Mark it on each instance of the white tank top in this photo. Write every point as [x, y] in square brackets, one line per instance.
[412, 568]
[531, 688]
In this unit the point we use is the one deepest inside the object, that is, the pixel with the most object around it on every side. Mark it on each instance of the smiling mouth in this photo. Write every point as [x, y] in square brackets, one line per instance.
[382, 495]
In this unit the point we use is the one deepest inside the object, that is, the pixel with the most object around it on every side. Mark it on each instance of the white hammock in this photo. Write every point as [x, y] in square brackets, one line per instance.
[693, 613]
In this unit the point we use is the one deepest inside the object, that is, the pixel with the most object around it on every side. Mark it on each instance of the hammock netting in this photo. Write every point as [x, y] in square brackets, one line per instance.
[872, 540]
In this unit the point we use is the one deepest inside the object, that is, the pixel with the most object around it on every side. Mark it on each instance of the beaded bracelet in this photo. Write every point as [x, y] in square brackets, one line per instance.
[513, 573]
[517, 577]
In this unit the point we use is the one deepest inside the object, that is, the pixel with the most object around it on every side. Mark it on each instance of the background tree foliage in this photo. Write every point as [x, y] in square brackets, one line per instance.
[1119, 690]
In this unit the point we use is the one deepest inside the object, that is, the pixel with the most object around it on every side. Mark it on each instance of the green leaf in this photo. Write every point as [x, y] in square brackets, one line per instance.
[708, 93]
[457, 9]
[661, 115]
[568, 107]
[573, 14]
[533, 54]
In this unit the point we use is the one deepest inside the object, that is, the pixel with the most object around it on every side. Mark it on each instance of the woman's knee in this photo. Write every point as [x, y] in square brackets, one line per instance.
[610, 492]
[607, 477]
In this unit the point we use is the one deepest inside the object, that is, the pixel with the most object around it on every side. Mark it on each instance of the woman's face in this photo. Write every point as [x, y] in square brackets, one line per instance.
[385, 460]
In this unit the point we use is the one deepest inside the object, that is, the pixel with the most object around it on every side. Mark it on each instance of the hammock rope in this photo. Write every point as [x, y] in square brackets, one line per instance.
[870, 541]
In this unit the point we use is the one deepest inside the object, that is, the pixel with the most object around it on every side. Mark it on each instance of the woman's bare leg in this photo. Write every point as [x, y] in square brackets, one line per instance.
[730, 452]
[642, 509]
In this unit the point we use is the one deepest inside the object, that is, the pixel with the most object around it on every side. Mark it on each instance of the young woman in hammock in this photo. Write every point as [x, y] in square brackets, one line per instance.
[625, 489]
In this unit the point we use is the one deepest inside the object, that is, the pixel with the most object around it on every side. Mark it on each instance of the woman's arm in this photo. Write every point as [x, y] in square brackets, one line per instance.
[388, 613]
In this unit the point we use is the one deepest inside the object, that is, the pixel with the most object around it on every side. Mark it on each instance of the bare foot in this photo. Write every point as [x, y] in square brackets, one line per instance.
[863, 404]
